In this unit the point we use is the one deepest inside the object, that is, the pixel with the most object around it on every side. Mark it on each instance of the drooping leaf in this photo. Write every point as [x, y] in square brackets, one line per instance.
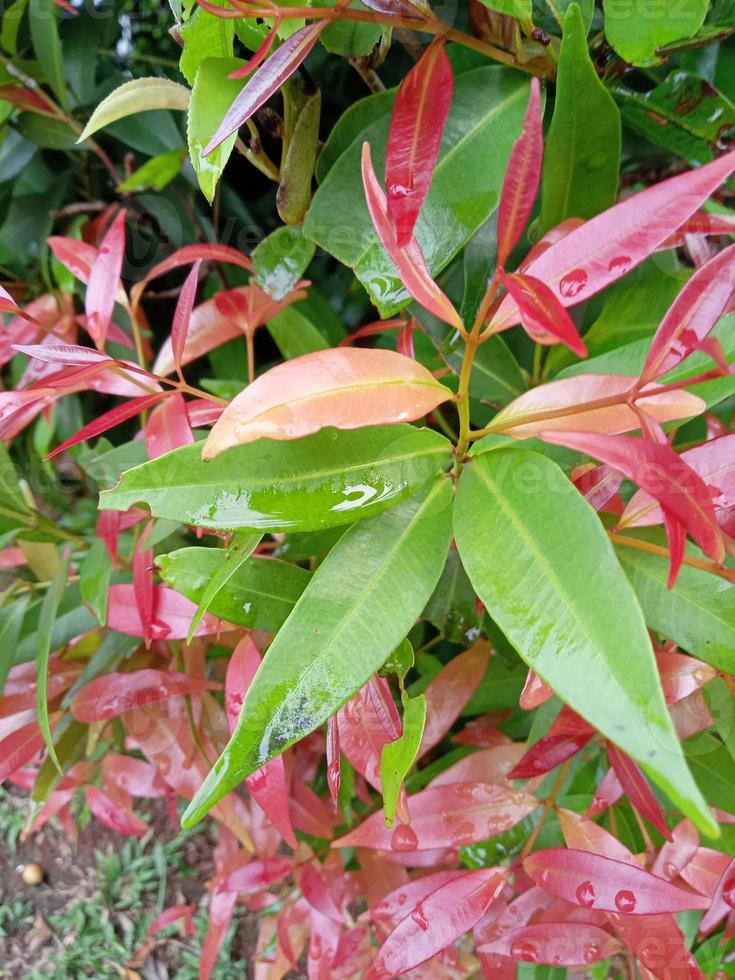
[637, 789]
[348, 388]
[580, 177]
[575, 614]
[543, 317]
[333, 477]
[140, 95]
[419, 114]
[398, 756]
[598, 882]
[522, 176]
[350, 617]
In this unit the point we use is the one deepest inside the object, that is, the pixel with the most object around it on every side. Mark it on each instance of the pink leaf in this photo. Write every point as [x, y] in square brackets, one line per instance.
[693, 314]
[182, 315]
[168, 427]
[19, 748]
[266, 81]
[257, 875]
[609, 245]
[522, 176]
[593, 881]
[491, 765]
[678, 852]
[445, 816]
[417, 122]
[544, 319]
[660, 471]
[174, 613]
[555, 944]
[438, 921]
[391, 909]
[723, 900]
[104, 277]
[114, 417]
[316, 892]
[115, 693]
[637, 789]
[409, 258]
[145, 597]
[449, 692]
[173, 914]
[362, 736]
[206, 251]
[535, 692]
[134, 776]
[114, 813]
[598, 485]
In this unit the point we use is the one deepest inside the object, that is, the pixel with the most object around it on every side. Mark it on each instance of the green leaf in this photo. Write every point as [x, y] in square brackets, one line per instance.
[484, 121]
[582, 154]
[698, 613]
[397, 757]
[281, 260]
[259, 594]
[211, 97]
[496, 375]
[14, 511]
[637, 28]
[306, 326]
[350, 39]
[302, 102]
[714, 770]
[11, 623]
[47, 46]
[333, 477]
[156, 173]
[540, 560]
[49, 134]
[94, 579]
[70, 747]
[140, 95]
[204, 36]
[684, 114]
[521, 9]
[360, 603]
[452, 606]
[350, 125]
[72, 620]
[10, 26]
[44, 640]
[240, 549]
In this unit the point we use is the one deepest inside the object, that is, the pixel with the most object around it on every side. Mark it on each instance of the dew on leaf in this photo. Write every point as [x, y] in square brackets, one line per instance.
[625, 901]
[585, 894]
[404, 839]
[573, 282]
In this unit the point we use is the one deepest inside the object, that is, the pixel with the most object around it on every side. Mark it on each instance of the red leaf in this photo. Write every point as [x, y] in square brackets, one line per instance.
[609, 245]
[255, 876]
[660, 471]
[136, 777]
[692, 315]
[115, 693]
[266, 81]
[362, 736]
[19, 748]
[417, 122]
[392, 908]
[260, 55]
[182, 315]
[543, 317]
[212, 252]
[522, 176]
[637, 789]
[174, 613]
[114, 813]
[104, 277]
[25, 99]
[681, 675]
[121, 413]
[555, 944]
[171, 915]
[678, 852]
[316, 892]
[145, 597]
[308, 812]
[438, 921]
[598, 485]
[491, 765]
[409, 259]
[221, 910]
[168, 427]
[593, 881]
[723, 900]
[567, 735]
[445, 816]
[535, 692]
[450, 691]
[659, 944]
[268, 785]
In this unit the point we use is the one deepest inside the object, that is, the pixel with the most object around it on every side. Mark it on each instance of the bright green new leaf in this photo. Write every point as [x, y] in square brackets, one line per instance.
[158, 172]
[397, 757]
[698, 613]
[140, 95]
[204, 36]
[280, 260]
[582, 154]
[330, 478]
[259, 594]
[361, 601]
[484, 121]
[638, 28]
[240, 549]
[540, 560]
[94, 579]
[521, 9]
[211, 97]
[44, 640]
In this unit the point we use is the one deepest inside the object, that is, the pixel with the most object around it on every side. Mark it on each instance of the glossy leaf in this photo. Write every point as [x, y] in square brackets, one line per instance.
[577, 615]
[598, 882]
[409, 259]
[281, 259]
[114, 693]
[543, 317]
[578, 404]
[211, 96]
[347, 388]
[240, 549]
[521, 178]
[419, 114]
[104, 275]
[580, 177]
[557, 944]
[172, 617]
[352, 603]
[637, 36]
[137, 96]
[44, 645]
[182, 315]
[450, 690]
[438, 921]
[266, 81]
[324, 480]
[609, 245]
[637, 789]
[398, 756]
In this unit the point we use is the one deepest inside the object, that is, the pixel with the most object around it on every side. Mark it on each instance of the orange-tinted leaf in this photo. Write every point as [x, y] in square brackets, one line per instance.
[535, 692]
[416, 126]
[522, 176]
[676, 854]
[345, 387]
[182, 315]
[491, 765]
[681, 675]
[168, 427]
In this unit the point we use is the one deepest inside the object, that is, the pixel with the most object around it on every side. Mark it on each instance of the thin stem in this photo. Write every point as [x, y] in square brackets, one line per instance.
[702, 564]
[549, 805]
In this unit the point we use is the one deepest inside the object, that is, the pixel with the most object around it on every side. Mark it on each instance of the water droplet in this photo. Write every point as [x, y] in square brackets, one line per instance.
[402, 898]
[419, 918]
[524, 950]
[620, 264]
[585, 894]
[670, 870]
[162, 763]
[573, 282]
[404, 839]
[591, 953]
[625, 901]
[728, 890]
[315, 946]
